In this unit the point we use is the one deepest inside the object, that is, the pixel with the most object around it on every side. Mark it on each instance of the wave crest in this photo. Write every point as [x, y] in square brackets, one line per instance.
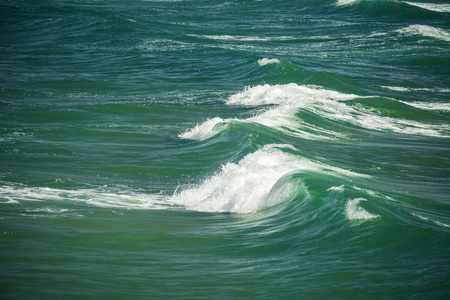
[354, 212]
[243, 187]
[425, 31]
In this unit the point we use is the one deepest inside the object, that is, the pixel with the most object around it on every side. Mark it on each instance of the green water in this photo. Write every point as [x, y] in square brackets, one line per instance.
[224, 150]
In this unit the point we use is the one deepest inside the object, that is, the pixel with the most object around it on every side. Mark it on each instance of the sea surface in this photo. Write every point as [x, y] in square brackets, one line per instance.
[224, 149]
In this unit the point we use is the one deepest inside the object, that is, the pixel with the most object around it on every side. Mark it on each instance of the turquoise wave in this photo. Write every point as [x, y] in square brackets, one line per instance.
[240, 149]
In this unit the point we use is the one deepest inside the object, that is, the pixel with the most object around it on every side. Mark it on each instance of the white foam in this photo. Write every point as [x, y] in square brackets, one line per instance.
[346, 2]
[428, 219]
[396, 88]
[268, 61]
[408, 89]
[205, 130]
[432, 6]
[288, 94]
[242, 187]
[438, 106]
[337, 188]
[441, 224]
[286, 101]
[244, 38]
[328, 104]
[50, 210]
[288, 98]
[426, 31]
[97, 197]
[354, 212]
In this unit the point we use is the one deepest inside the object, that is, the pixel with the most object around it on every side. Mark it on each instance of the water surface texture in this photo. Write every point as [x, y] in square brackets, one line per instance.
[224, 149]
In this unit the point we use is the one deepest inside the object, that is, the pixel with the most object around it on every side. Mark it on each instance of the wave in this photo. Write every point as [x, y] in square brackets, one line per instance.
[355, 212]
[444, 8]
[425, 31]
[435, 7]
[251, 184]
[244, 38]
[205, 130]
[288, 99]
[268, 61]
[346, 2]
[102, 197]
[407, 89]
[284, 105]
[433, 106]
[260, 180]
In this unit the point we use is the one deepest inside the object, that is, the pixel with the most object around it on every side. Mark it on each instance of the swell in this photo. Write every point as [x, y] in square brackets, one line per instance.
[289, 108]
[394, 8]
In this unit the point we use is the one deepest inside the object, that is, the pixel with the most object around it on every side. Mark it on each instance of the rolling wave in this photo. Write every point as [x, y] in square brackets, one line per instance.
[249, 185]
[425, 31]
[286, 103]
[437, 7]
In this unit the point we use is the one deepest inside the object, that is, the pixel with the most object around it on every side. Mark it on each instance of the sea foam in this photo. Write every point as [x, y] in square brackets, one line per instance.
[445, 8]
[346, 2]
[268, 61]
[242, 187]
[426, 31]
[354, 212]
[247, 186]
[103, 197]
[205, 130]
[282, 103]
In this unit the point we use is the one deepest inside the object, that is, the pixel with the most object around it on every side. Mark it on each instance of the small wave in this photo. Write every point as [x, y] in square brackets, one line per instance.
[426, 31]
[346, 2]
[243, 38]
[428, 220]
[337, 188]
[205, 130]
[289, 94]
[50, 212]
[407, 89]
[445, 8]
[354, 212]
[96, 197]
[433, 106]
[268, 61]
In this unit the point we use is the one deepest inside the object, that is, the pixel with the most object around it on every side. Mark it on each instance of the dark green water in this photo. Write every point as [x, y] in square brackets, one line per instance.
[224, 150]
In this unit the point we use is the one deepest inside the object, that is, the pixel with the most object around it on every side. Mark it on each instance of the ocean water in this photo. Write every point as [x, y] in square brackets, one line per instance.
[224, 149]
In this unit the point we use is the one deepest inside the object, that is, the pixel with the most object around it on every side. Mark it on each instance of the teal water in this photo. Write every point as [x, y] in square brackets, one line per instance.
[224, 150]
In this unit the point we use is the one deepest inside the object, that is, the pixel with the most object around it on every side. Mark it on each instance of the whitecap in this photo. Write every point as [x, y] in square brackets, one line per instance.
[426, 31]
[205, 130]
[336, 188]
[244, 38]
[441, 224]
[354, 212]
[410, 89]
[96, 197]
[268, 61]
[286, 101]
[288, 94]
[432, 106]
[445, 8]
[242, 187]
[346, 2]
